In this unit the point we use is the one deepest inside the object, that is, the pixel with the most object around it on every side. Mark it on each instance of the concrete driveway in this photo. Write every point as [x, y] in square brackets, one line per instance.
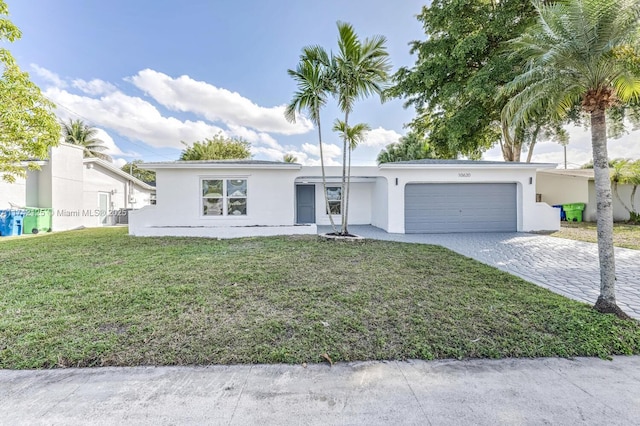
[566, 267]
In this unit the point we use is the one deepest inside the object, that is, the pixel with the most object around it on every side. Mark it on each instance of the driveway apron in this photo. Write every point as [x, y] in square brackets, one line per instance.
[566, 267]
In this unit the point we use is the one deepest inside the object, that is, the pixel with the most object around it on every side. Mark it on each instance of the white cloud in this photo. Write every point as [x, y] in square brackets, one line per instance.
[216, 104]
[381, 137]
[329, 150]
[94, 87]
[49, 76]
[579, 150]
[132, 117]
[119, 162]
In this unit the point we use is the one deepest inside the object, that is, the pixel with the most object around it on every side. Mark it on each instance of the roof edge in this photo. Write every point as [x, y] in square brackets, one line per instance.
[119, 172]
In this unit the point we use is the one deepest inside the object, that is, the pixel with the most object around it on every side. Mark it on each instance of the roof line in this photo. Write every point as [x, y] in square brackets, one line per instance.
[119, 172]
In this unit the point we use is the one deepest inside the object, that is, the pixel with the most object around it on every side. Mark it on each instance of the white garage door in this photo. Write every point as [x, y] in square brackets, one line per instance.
[460, 207]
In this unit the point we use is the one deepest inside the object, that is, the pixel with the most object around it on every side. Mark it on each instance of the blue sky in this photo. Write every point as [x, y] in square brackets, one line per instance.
[152, 73]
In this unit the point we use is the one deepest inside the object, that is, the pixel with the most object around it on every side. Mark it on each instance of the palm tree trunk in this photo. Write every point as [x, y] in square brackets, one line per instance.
[606, 302]
[346, 204]
[343, 217]
[324, 177]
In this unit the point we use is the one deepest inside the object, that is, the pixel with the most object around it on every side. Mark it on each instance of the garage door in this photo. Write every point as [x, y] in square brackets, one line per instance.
[460, 207]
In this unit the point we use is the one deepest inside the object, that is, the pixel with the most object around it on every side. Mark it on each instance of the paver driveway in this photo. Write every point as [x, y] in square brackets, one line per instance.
[563, 266]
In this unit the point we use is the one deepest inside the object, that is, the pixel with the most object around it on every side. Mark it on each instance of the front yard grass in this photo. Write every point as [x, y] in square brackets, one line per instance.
[624, 235]
[102, 298]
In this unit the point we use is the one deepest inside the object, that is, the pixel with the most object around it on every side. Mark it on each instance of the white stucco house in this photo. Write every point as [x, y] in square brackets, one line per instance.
[226, 199]
[578, 186]
[81, 191]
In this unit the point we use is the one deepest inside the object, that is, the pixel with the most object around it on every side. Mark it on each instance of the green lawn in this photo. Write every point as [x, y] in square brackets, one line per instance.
[624, 235]
[99, 297]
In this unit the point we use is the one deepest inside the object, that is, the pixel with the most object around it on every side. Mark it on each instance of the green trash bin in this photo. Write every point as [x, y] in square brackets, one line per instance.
[37, 220]
[573, 212]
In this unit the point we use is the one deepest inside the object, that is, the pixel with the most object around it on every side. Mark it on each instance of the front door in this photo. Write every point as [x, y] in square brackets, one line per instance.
[104, 208]
[305, 204]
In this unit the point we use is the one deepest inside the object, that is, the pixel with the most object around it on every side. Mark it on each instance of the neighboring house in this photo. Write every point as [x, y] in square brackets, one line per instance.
[577, 186]
[81, 191]
[226, 199]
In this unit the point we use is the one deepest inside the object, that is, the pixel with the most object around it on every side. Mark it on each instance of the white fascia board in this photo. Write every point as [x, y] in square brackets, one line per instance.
[506, 166]
[219, 166]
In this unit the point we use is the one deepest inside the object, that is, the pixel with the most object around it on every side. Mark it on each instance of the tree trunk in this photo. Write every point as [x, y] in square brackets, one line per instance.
[532, 144]
[606, 302]
[324, 177]
[343, 217]
[346, 204]
[510, 147]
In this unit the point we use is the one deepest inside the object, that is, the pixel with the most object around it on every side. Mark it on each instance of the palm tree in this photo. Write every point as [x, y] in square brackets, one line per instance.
[353, 135]
[289, 158]
[312, 78]
[360, 69]
[76, 132]
[581, 53]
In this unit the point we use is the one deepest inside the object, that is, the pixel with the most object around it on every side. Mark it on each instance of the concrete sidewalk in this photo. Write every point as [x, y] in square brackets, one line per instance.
[485, 392]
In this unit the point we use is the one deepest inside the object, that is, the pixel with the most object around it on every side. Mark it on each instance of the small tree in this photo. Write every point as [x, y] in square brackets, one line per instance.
[28, 127]
[147, 176]
[409, 147]
[217, 148]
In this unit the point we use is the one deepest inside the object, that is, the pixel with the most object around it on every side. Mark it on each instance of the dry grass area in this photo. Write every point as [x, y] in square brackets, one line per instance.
[624, 235]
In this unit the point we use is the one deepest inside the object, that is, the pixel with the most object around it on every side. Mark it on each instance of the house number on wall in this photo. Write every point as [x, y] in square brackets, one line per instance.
[464, 174]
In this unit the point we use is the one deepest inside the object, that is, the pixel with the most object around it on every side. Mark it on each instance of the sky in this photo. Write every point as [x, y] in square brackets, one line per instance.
[151, 75]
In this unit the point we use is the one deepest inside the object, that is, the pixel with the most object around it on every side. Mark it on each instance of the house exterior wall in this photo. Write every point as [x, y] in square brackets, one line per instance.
[560, 189]
[532, 216]
[375, 197]
[12, 193]
[270, 200]
[65, 168]
[122, 193]
[623, 196]
[380, 203]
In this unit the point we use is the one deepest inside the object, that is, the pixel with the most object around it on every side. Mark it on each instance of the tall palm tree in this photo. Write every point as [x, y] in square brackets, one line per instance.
[359, 70]
[76, 132]
[312, 78]
[353, 135]
[582, 53]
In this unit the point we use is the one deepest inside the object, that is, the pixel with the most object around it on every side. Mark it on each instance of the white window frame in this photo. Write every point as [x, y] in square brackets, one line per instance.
[330, 201]
[225, 196]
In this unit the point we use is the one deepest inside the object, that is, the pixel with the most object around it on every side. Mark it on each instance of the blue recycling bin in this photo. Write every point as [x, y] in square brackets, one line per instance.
[563, 214]
[11, 222]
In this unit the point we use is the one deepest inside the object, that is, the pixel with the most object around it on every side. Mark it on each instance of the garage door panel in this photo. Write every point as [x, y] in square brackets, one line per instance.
[444, 208]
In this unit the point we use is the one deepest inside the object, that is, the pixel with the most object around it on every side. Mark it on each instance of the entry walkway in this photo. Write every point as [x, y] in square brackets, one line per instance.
[566, 267]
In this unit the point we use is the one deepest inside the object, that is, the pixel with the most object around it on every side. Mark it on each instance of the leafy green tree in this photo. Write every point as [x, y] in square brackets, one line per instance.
[217, 148]
[582, 53]
[314, 85]
[76, 132]
[359, 70]
[409, 147]
[460, 68]
[133, 168]
[28, 127]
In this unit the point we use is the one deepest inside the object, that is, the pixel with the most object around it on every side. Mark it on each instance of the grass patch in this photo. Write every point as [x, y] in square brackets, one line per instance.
[624, 235]
[100, 297]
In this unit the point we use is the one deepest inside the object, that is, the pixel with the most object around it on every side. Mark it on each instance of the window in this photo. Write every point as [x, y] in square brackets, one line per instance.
[224, 197]
[334, 197]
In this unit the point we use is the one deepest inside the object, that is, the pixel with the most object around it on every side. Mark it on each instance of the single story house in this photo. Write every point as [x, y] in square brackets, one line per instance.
[226, 199]
[577, 186]
[80, 191]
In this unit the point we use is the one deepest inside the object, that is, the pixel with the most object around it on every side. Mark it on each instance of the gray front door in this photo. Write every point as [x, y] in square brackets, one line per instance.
[460, 207]
[305, 204]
